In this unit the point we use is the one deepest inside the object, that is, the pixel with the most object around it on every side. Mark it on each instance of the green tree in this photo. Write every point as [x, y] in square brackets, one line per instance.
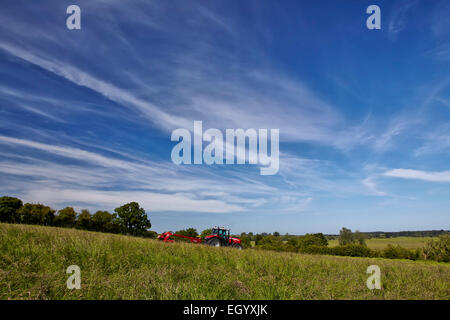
[8, 209]
[84, 220]
[360, 238]
[316, 239]
[205, 233]
[189, 232]
[276, 234]
[66, 218]
[103, 221]
[133, 219]
[346, 236]
[31, 213]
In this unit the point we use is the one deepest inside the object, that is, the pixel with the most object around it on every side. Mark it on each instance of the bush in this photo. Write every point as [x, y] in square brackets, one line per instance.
[398, 252]
[245, 240]
[438, 250]
[353, 250]
[315, 249]
[274, 243]
[150, 234]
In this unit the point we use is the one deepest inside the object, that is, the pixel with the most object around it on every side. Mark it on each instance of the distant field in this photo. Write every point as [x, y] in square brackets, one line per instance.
[379, 243]
[33, 262]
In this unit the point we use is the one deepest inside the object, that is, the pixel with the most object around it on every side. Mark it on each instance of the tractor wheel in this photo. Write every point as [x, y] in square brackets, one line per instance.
[214, 242]
[237, 246]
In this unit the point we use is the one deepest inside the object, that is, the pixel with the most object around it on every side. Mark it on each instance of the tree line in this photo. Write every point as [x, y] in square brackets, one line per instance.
[351, 244]
[395, 234]
[128, 219]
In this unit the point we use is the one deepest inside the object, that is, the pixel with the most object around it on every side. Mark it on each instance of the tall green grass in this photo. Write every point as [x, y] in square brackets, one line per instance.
[33, 261]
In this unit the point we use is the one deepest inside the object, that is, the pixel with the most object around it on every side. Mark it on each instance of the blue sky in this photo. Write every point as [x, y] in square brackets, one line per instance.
[364, 115]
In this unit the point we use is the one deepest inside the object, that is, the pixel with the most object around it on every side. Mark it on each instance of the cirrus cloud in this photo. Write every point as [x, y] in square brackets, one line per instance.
[442, 176]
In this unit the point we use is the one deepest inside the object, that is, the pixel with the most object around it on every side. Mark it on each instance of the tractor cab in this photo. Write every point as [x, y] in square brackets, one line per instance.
[221, 232]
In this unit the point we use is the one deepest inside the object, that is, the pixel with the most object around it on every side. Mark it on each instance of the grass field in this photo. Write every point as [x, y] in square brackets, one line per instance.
[405, 242]
[33, 262]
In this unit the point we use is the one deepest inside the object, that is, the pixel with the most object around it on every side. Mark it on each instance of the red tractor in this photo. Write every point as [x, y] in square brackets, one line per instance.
[220, 237]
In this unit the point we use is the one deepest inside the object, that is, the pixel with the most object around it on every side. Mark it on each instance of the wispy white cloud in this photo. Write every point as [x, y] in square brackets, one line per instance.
[151, 201]
[370, 184]
[445, 102]
[396, 127]
[442, 176]
[325, 177]
[398, 18]
[267, 103]
[138, 178]
[258, 98]
[440, 24]
[440, 52]
[82, 78]
[70, 152]
[435, 141]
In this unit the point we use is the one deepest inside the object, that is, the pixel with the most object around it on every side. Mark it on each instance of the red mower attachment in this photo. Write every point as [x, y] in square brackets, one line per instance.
[220, 237]
[166, 237]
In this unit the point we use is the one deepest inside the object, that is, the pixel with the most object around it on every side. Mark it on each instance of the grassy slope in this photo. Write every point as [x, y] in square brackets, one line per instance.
[405, 242]
[33, 261]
